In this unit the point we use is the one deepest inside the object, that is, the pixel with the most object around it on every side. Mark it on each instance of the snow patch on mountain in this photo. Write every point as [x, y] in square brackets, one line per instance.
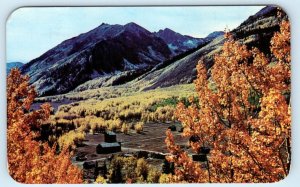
[191, 43]
[172, 47]
[177, 42]
[128, 65]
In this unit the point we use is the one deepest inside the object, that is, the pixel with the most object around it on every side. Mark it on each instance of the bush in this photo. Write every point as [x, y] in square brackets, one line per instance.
[100, 180]
[153, 175]
[131, 170]
[125, 129]
[142, 168]
[165, 179]
[139, 127]
[121, 169]
[71, 139]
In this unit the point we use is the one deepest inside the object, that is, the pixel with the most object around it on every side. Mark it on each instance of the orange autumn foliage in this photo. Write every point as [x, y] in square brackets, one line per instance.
[29, 160]
[245, 120]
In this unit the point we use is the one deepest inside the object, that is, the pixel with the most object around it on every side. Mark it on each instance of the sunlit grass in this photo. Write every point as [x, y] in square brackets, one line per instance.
[130, 110]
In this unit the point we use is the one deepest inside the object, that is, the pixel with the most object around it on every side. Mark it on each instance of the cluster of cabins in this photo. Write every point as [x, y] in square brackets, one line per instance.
[110, 144]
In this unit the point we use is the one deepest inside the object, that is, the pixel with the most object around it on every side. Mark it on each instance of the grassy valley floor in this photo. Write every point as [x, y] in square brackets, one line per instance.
[139, 119]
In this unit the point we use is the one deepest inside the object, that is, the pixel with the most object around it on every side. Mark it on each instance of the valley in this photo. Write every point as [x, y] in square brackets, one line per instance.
[80, 118]
[119, 92]
[134, 97]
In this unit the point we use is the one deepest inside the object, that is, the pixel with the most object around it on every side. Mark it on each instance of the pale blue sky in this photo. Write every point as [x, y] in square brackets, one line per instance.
[33, 31]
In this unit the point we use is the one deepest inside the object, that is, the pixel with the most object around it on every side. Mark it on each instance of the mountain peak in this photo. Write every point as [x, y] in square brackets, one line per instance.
[131, 24]
[104, 24]
[107, 49]
[169, 32]
[214, 35]
[135, 28]
[166, 30]
[177, 42]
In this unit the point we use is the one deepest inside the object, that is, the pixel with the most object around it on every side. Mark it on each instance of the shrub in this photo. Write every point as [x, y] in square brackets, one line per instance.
[142, 168]
[100, 180]
[165, 178]
[125, 128]
[153, 175]
[71, 139]
[139, 127]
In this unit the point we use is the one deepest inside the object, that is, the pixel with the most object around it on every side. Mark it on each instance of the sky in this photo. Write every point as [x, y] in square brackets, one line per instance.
[30, 32]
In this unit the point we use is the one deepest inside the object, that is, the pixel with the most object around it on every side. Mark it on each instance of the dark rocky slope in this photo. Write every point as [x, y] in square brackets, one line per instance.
[105, 50]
